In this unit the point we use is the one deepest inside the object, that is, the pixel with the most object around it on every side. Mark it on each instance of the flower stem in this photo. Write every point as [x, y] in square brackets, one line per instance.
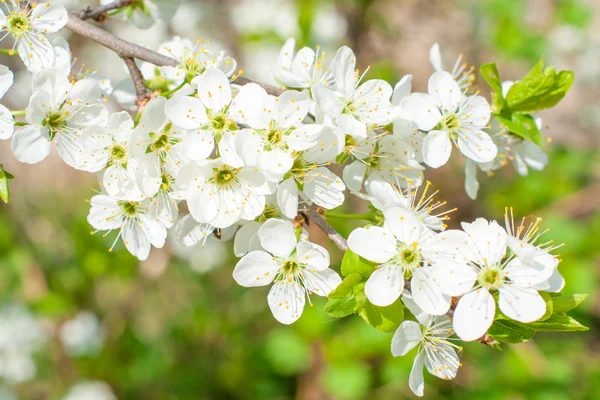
[21, 123]
[173, 91]
[18, 113]
[366, 216]
[9, 52]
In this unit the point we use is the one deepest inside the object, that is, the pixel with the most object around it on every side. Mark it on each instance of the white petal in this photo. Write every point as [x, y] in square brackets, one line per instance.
[385, 285]
[415, 380]
[327, 101]
[407, 337]
[351, 126]
[444, 91]
[287, 198]
[186, 112]
[257, 268]
[344, 70]
[50, 17]
[324, 188]
[435, 57]
[403, 224]
[354, 175]
[442, 361]
[153, 116]
[30, 145]
[247, 107]
[246, 239]
[436, 148]
[454, 280]
[313, 255]
[423, 110]
[7, 123]
[275, 164]
[197, 145]
[477, 145]
[190, 232]
[471, 182]
[214, 90]
[374, 243]
[427, 293]
[6, 79]
[474, 315]
[322, 282]
[278, 237]
[286, 300]
[135, 240]
[520, 303]
[402, 89]
[292, 107]
[487, 239]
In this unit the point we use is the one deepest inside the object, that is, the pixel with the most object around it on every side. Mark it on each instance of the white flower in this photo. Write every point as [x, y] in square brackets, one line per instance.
[220, 194]
[90, 390]
[302, 70]
[29, 28]
[309, 180]
[58, 111]
[193, 60]
[144, 13]
[107, 150]
[209, 115]
[388, 158]
[354, 108]
[435, 350]
[405, 249]
[82, 335]
[523, 241]
[137, 228]
[163, 148]
[383, 195]
[7, 122]
[296, 270]
[463, 76]
[489, 268]
[278, 121]
[451, 117]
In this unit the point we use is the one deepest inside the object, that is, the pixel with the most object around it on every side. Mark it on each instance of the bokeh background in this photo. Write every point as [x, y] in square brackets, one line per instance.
[77, 321]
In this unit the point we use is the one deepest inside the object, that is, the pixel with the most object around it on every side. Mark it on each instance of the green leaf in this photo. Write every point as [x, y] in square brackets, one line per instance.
[490, 73]
[339, 308]
[540, 89]
[386, 319]
[345, 288]
[558, 322]
[352, 263]
[4, 189]
[510, 331]
[549, 306]
[563, 304]
[522, 125]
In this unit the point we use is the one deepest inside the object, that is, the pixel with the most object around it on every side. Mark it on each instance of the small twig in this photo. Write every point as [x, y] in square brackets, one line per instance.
[138, 81]
[100, 13]
[334, 235]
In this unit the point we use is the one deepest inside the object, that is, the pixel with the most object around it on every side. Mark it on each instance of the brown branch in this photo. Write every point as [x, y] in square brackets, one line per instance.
[316, 216]
[142, 91]
[100, 13]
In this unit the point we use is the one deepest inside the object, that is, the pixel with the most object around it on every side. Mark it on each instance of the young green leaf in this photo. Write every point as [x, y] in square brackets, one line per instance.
[352, 263]
[345, 288]
[558, 322]
[490, 73]
[522, 125]
[508, 331]
[563, 304]
[549, 306]
[339, 308]
[4, 189]
[540, 89]
[385, 319]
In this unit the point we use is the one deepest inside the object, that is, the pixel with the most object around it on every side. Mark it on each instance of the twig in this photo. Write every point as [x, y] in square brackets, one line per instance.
[316, 217]
[138, 81]
[99, 13]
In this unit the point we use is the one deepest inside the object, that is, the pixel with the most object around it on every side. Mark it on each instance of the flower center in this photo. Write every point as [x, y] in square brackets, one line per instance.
[167, 181]
[270, 211]
[490, 278]
[218, 122]
[409, 257]
[301, 167]
[225, 176]
[18, 24]
[290, 268]
[55, 121]
[161, 142]
[130, 208]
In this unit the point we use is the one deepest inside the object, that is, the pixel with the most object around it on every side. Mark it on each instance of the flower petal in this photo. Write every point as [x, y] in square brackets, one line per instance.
[474, 315]
[257, 268]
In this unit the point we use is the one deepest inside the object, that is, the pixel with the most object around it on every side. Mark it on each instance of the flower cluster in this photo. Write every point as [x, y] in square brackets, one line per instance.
[254, 164]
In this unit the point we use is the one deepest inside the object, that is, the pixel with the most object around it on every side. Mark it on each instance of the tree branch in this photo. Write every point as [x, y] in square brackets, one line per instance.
[138, 81]
[316, 216]
[99, 13]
